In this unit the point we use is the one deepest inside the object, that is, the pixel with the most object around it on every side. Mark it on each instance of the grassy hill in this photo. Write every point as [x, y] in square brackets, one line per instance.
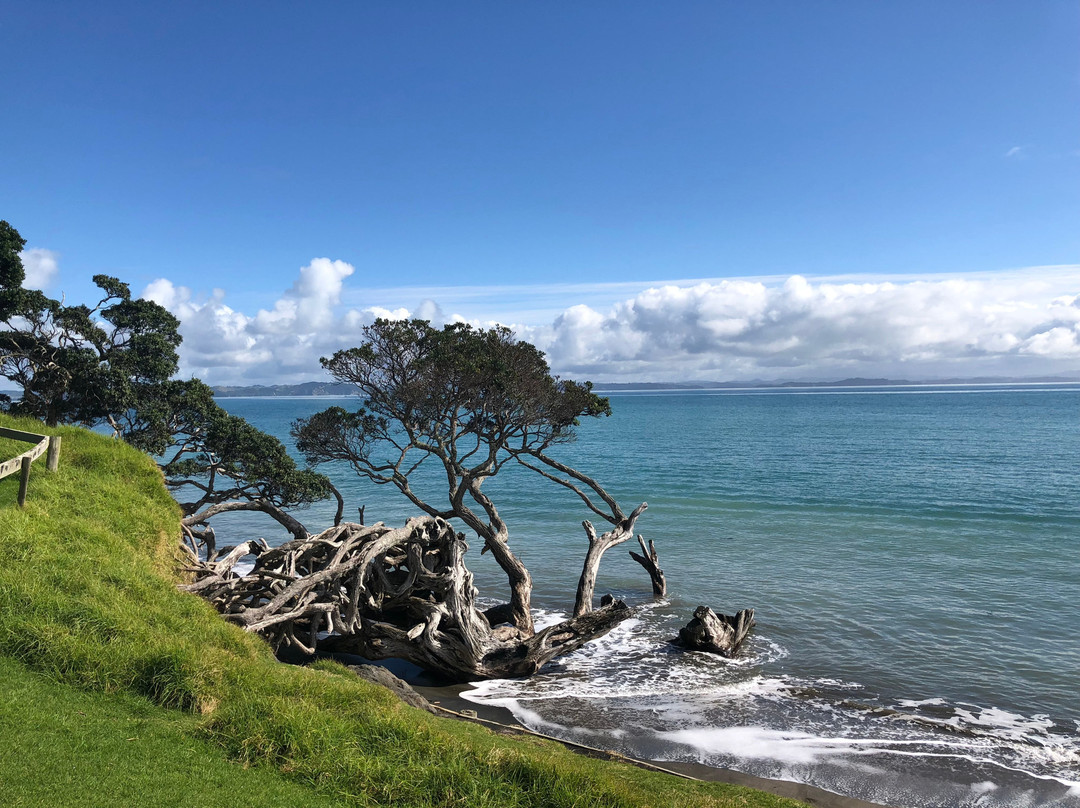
[117, 689]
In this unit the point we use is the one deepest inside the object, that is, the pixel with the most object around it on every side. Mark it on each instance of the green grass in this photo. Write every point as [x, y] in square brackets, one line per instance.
[88, 603]
[10, 448]
[75, 749]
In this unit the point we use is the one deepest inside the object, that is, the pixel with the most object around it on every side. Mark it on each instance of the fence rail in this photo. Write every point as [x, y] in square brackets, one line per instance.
[42, 444]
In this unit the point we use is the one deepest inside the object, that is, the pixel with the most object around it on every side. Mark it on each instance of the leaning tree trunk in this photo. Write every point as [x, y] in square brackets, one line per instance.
[598, 545]
[290, 523]
[496, 536]
[383, 592]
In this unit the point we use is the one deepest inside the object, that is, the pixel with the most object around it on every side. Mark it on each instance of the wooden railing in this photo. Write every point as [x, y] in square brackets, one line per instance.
[42, 444]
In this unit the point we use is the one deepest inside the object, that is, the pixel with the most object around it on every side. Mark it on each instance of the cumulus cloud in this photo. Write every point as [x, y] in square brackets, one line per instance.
[1015, 323]
[41, 267]
[281, 344]
[797, 327]
[308, 305]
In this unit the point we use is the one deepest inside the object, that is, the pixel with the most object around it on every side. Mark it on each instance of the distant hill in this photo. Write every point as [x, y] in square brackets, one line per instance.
[756, 384]
[269, 390]
[336, 389]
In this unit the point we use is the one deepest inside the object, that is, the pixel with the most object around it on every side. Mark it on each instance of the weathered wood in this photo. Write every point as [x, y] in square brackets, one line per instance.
[24, 480]
[279, 515]
[382, 592]
[598, 545]
[18, 434]
[15, 464]
[651, 562]
[53, 460]
[719, 634]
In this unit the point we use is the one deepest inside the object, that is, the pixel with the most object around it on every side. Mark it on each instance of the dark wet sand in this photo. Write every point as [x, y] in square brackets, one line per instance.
[449, 699]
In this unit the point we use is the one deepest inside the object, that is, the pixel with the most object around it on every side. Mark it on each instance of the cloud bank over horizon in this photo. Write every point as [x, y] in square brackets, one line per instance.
[1021, 322]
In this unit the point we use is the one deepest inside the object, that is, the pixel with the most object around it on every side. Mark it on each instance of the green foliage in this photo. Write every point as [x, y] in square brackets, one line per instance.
[87, 600]
[79, 363]
[12, 273]
[455, 384]
[216, 456]
[472, 398]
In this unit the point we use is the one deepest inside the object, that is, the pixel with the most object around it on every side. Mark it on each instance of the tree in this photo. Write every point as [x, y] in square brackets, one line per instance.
[471, 401]
[113, 363]
[12, 272]
[218, 463]
[78, 363]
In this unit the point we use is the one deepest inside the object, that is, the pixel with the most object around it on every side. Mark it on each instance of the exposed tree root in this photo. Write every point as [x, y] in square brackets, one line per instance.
[386, 592]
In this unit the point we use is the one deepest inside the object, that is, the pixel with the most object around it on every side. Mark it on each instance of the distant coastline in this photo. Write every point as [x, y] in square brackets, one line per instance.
[314, 388]
[334, 389]
[270, 390]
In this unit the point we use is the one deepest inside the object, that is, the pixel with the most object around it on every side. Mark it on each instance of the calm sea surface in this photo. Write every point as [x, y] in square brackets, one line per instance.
[912, 554]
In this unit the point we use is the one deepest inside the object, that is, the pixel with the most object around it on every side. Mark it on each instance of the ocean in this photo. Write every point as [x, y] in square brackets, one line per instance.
[911, 553]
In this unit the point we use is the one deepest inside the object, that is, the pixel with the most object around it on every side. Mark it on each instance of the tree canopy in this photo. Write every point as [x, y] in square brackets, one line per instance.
[470, 400]
[215, 462]
[113, 362]
[76, 362]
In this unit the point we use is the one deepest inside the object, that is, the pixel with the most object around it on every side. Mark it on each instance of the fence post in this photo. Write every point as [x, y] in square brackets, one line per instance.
[54, 453]
[24, 480]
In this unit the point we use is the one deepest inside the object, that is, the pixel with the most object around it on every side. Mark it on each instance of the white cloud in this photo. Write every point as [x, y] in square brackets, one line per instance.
[1016, 323]
[737, 329]
[309, 303]
[41, 267]
[281, 344]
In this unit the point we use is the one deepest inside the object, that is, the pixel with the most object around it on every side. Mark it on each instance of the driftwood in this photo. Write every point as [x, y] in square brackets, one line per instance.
[382, 592]
[719, 634]
[651, 562]
[598, 545]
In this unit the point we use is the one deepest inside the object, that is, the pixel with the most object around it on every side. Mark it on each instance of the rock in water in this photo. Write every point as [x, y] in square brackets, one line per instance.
[719, 634]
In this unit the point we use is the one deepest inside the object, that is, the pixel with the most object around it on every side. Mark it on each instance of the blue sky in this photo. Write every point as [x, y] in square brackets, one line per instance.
[512, 161]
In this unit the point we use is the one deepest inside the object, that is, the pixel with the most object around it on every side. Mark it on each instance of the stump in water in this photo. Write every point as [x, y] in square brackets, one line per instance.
[651, 562]
[381, 593]
[719, 634]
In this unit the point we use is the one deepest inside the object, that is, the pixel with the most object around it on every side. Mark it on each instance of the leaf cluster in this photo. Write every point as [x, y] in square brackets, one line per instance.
[79, 363]
[220, 456]
[472, 397]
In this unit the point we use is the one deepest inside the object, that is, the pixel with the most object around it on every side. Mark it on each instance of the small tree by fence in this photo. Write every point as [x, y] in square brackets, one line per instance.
[42, 444]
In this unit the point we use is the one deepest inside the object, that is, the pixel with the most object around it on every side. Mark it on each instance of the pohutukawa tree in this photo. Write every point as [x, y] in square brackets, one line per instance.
[79, 363]
[218, 463]
[112, 363]
[472, 401]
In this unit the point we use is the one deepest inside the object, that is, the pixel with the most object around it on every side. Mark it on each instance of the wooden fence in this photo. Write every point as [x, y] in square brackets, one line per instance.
[42, 444]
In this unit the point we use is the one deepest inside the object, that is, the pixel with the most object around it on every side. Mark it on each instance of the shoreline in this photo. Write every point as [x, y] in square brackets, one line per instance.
[450, 703]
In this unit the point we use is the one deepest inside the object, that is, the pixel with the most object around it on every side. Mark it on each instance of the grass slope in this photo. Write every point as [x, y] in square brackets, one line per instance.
[88, 603]
[83, 750]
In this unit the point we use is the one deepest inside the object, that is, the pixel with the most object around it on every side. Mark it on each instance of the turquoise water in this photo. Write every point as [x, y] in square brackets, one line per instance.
[911, 554]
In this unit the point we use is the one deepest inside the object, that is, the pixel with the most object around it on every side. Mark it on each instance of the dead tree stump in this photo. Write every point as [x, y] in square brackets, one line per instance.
[718, 634]
[651, 562]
